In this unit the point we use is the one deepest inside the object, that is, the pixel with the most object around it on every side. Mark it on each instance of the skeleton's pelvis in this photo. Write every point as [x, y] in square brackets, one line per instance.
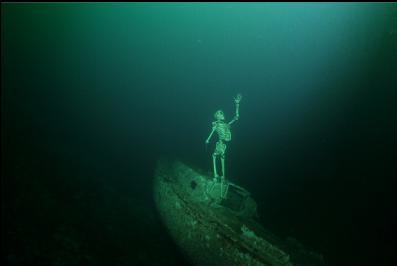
[220, 148]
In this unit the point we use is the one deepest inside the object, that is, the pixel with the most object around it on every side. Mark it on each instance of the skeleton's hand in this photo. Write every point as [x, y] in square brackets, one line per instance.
[237, 99]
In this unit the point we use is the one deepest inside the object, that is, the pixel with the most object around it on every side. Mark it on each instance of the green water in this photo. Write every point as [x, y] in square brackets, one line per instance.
[94, 94]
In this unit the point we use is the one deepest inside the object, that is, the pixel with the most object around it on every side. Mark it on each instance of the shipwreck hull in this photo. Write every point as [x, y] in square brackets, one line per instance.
[214, 224]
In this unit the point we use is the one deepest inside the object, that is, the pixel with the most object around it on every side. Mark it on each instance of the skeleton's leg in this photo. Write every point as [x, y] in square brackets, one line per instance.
[221, 188]
[223, 166]
[223, 160]
[214, 163]
[223, 174]
[223, 148]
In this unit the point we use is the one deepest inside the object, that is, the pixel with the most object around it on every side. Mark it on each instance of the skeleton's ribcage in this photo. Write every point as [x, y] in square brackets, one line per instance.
[224, 132]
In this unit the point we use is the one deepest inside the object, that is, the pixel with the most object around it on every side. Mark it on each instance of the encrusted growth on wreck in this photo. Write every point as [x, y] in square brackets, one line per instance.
[211, 230]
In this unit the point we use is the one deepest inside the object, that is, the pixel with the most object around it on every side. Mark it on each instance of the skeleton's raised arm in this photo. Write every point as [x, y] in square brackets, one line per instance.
[237, 102]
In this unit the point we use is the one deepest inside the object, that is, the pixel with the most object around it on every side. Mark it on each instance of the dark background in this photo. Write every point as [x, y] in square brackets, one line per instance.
[94, 94]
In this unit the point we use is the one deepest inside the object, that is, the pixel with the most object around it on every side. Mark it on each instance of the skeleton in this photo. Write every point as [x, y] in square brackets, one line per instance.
[222, 128]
